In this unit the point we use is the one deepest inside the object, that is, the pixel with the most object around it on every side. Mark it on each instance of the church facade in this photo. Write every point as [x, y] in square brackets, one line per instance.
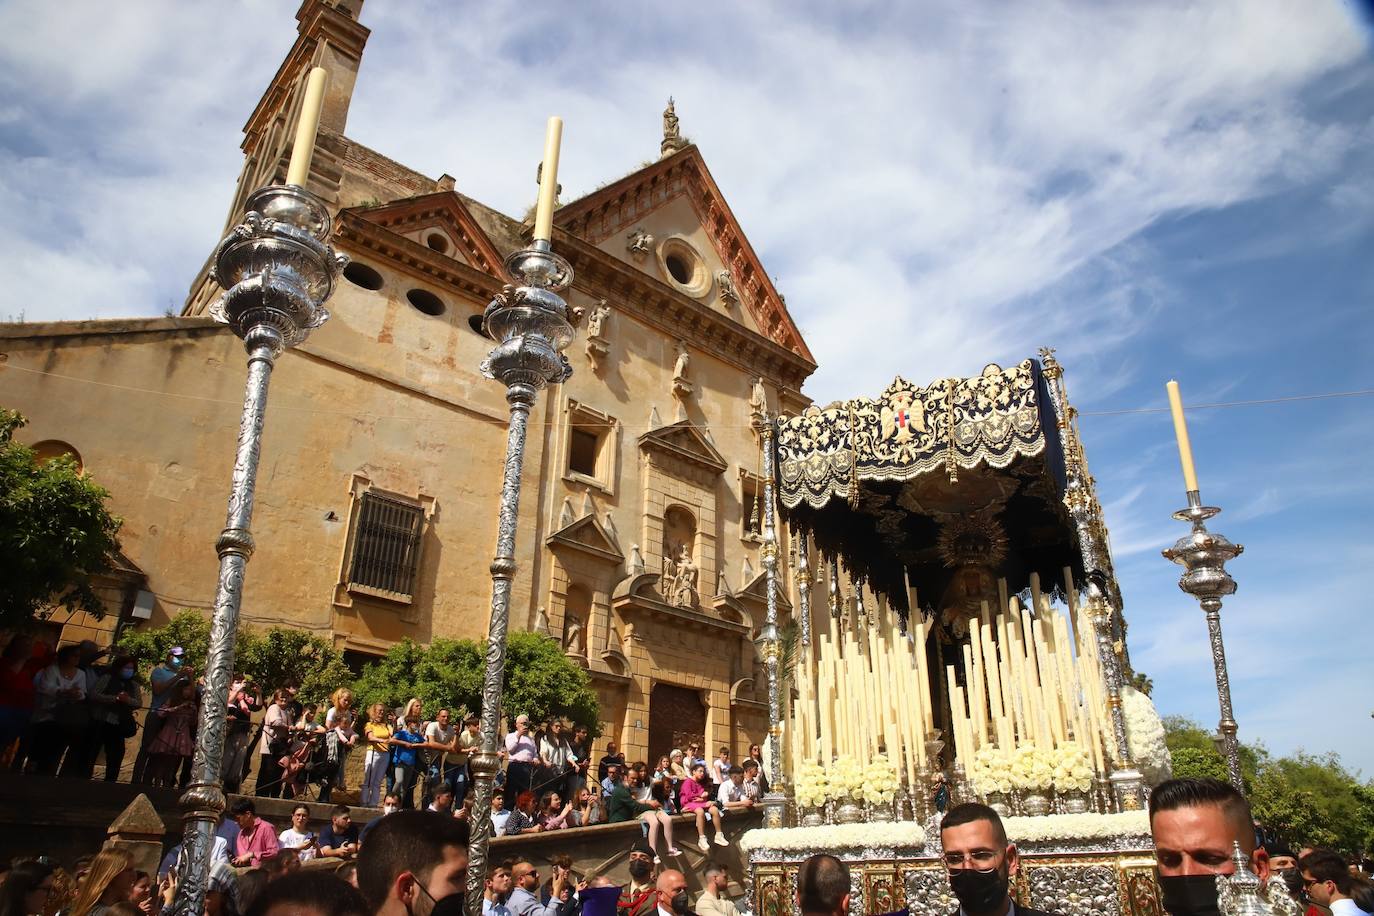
[638, 538]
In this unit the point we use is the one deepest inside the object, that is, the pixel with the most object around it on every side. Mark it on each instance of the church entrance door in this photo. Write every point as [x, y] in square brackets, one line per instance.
[677, 718]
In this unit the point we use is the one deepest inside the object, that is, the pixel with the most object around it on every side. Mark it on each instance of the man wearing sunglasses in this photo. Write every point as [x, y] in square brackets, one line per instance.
[980, 861]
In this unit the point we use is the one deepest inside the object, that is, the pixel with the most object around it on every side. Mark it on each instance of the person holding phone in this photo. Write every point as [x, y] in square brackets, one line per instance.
[299, 836]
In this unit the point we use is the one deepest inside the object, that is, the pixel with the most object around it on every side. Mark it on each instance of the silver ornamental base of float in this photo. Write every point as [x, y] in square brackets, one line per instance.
[1072, 877]
[1074, 802]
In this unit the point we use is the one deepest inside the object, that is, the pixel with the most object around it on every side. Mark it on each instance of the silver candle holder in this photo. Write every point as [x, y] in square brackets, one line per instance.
[1203, 555]
[532, 326]
[277, 269]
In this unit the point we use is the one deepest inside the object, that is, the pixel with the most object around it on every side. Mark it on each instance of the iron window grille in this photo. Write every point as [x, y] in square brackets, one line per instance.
[386, 549]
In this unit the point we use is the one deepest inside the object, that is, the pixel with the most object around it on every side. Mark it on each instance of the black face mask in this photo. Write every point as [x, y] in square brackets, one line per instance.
[979, 891]
[1189, 895]
[681, 902]
[639, 869]
[452, 905]
[1293, 878]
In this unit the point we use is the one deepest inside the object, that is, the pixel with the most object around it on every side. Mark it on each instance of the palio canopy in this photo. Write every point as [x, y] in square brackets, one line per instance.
[886, 486]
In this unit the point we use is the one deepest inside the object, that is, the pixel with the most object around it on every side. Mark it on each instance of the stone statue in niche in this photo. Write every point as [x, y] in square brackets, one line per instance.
[596, 345]
[685, 582]
[682, 386]
[725, 282]
[758, 400]
[574, 636]
[684, 361]
[639, 243]
[596, 323]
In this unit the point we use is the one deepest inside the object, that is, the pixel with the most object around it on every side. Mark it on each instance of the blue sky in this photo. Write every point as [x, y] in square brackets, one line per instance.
[1159, 190]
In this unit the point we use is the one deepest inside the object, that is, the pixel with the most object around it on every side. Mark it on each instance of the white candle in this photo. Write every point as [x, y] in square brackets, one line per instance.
[548, 181]
[307, 126]
[1185, 447]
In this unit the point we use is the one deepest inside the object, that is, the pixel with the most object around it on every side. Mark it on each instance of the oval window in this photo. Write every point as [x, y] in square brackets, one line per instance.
[359, 274]
[426, 301]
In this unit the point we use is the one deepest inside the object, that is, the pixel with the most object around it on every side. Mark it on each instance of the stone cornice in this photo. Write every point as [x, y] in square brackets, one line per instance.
[443, 208]
[354, 228]
[601, 275]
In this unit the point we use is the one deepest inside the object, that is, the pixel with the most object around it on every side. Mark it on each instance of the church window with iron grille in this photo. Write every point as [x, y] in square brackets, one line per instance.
[386, 545]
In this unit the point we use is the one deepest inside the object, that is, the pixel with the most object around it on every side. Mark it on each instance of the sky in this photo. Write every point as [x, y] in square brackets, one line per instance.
[1158, 190]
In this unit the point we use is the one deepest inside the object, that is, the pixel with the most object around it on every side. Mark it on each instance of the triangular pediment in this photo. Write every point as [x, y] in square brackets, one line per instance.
[684, 440]
[757, 592]
[440, 222]
[588, 536]
[677, 202]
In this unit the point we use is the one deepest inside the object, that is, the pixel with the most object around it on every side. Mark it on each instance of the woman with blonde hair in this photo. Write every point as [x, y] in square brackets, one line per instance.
[107, 883]
[341, 700]
[413, 708]
[377, 732]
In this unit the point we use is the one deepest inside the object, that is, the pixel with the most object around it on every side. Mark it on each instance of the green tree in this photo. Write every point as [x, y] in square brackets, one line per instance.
[540, 680]
[55, 532]
[446, 674]
[272, 659]
[283, 655]
[1308, 800]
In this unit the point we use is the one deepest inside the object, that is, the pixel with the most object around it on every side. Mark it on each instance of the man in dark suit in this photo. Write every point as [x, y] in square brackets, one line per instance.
[981, 862]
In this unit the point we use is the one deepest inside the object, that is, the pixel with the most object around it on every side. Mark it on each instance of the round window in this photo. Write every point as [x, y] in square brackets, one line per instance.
[437, 242]
[683, 266]
[359, 274]
[426, 301]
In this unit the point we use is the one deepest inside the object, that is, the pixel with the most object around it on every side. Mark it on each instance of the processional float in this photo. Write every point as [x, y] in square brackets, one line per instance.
[959, 637]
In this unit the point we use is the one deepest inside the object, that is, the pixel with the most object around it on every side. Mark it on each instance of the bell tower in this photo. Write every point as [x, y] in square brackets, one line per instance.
[329, 36]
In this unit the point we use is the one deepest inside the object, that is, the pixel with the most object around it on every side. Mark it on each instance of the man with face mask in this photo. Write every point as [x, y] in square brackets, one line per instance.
[823, 886]
[1284, 863]
[1195, 822]
[411, 862]
[639, 897]
[673, 899]
[980, 861]
[524, 895]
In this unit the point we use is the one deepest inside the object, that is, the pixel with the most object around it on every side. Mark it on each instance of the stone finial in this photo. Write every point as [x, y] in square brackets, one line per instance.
[672, 135]
[139, 831]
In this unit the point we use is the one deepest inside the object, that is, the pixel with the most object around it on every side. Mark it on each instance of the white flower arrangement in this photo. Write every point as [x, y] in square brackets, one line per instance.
[1145, 732]
[1072, 769]
[991, 771]
[836, 836]
[1032, 770]
[811, 786]
[1056, 827]
[1048, 829]
[845, 778]
[880, 781]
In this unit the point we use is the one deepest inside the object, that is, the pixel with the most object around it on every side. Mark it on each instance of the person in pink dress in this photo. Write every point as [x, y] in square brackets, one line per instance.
[697, 800]
[176, 739]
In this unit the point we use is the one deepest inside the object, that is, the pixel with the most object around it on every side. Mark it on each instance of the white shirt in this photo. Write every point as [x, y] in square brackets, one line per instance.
[439, 735]
[721, 769]
[292, 838]
[494, 909]
[498, 821]
[1346, 907]
[729, 792]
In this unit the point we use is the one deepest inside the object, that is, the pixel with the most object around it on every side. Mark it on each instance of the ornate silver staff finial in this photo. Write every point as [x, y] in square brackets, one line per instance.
[277, 270]
[1238, 894]
[1204, 555]
[532, 326]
